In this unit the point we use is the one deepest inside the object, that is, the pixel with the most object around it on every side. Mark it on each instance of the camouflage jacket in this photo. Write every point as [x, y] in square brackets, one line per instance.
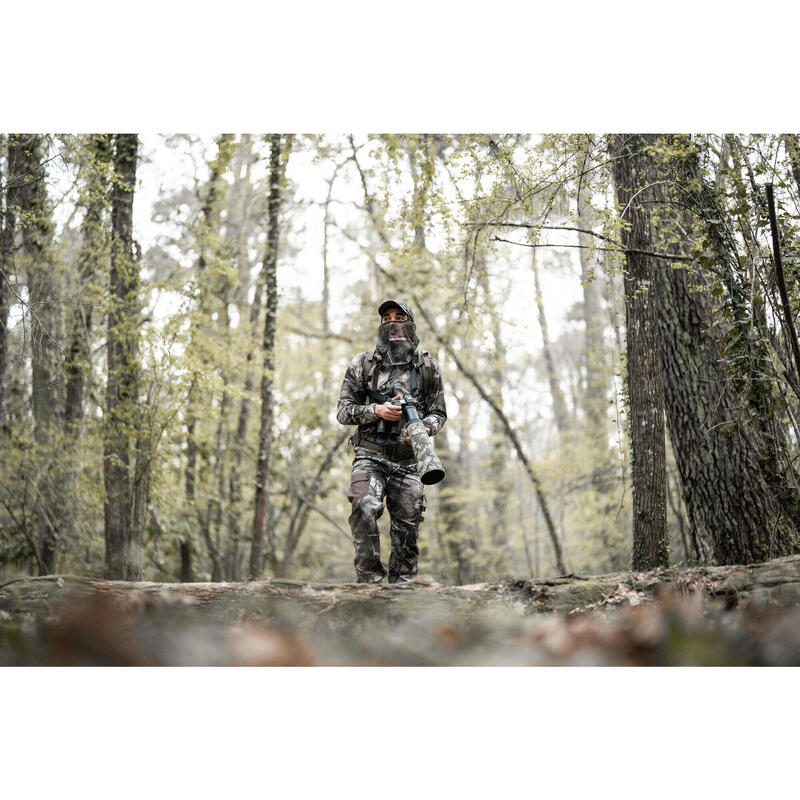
[356, 408]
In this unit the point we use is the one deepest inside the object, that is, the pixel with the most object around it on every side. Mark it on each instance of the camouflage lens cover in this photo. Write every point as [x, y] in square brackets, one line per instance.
[429, 467]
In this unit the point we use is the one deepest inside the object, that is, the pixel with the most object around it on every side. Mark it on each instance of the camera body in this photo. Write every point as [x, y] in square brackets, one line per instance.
[387, 430]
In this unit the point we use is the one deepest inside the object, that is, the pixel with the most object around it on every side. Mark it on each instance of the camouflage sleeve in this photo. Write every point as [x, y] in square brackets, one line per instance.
[436, 411]
[351, 409]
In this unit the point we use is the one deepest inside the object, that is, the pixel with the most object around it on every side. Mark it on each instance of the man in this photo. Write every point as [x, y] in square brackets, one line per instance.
[393, 368]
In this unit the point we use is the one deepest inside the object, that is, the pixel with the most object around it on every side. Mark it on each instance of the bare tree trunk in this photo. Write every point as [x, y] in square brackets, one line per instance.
[185, 547]
[242, 186]
[207, 280]
[498, 461]
[680, 520]
[262, 522]
[121, 346]
[33, 219]
[556, 393]
[234, 479]
[188, 493]
[7, 231]
[5, 251]
[596, 387]
[37, 233]
[723, 459]
[524, 530]
[209, 522]
[326, 292]
[91, 275]
[645, 387]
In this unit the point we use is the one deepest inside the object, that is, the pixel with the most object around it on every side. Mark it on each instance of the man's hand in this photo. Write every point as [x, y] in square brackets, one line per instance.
[408, 438]
[389, 412]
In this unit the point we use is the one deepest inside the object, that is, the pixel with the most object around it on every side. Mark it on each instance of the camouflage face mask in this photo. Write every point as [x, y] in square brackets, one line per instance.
[397, 341]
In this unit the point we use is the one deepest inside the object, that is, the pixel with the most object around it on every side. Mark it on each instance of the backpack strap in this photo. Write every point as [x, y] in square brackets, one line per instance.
[373, 358]
[427, 373]
[370, 372]
[425, 367]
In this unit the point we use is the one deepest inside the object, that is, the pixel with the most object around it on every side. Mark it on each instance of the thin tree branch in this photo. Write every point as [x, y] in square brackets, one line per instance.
[321, 335]
[327, 516]
[665, 256]
[46, 333]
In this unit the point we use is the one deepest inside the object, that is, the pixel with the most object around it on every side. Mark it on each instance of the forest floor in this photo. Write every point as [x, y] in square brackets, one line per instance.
[719, 616]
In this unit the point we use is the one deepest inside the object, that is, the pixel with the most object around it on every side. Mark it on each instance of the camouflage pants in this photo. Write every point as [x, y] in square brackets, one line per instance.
[374, 478]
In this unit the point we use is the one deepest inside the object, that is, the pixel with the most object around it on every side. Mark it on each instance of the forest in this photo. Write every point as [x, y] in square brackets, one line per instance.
[614, 316]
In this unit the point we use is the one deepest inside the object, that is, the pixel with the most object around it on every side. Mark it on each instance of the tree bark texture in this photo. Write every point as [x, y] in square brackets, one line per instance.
[121, 346]
[747, 344]
[37, 232]
[262, 518]
[36, 264]
[645, 388]
[13, 181]
[723, 461]
[86, 294]
[91, 274]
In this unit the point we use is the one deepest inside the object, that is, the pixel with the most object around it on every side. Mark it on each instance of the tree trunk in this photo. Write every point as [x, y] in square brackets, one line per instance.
[208, 280]
[123, 325]
[722, 459]
[556, 393]
[235, 479]
[645, 387]
[498, 460]
[87, 292]
[14, 166]
[91, 274]
[595, 389]
[326, 280]
[186, 561]
[33, 218]
[37, 233]
[262, 522]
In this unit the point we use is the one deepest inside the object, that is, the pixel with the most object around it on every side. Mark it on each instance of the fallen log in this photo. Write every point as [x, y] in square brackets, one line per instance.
[620, 617]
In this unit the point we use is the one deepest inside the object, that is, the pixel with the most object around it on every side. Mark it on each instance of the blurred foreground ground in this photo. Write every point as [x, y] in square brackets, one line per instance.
[714, 616]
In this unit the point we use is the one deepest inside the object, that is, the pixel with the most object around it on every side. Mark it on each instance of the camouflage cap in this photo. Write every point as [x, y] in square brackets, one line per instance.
[404, 307]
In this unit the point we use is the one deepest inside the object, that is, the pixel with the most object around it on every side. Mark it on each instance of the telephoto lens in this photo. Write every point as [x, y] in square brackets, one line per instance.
[429, 468]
